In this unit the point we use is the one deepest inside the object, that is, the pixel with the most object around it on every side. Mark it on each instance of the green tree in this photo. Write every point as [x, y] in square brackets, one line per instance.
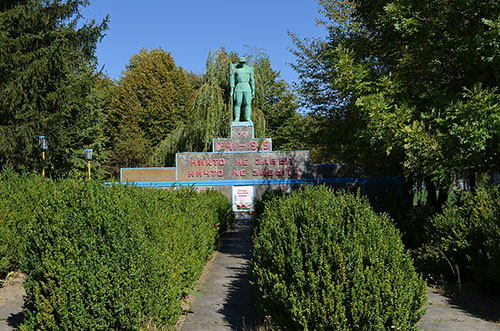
[101, 100]
[409, 87]
[300, 132]
[47, 76]
[210, 116]
[151, 99]
[277, 102]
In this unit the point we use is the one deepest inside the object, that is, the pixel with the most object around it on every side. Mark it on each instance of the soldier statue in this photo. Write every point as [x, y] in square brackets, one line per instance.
[242, 83]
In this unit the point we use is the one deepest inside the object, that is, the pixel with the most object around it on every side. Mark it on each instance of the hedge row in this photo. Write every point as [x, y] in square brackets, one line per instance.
[326, 261]
[20, 197]
[100, 258]
[465, 238]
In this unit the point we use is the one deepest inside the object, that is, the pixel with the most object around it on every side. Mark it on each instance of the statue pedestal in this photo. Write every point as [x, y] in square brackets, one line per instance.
[242, 139]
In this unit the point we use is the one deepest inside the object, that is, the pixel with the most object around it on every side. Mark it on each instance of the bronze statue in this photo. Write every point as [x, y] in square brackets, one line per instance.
[242, 83]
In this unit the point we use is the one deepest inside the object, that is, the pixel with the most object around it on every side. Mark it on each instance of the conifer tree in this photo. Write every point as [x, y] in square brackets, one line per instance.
[47, 66]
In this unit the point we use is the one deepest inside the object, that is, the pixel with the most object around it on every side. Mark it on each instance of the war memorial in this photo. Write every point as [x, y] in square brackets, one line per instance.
[243, 167]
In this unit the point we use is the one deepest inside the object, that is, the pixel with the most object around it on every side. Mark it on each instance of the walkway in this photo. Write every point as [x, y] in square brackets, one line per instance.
[227, 299]
[463, 310]
[11, 302]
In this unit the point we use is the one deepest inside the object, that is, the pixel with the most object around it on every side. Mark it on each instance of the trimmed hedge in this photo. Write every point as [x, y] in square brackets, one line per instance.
[100, 258]
[20, 197]
[467, 233]
[325, 260]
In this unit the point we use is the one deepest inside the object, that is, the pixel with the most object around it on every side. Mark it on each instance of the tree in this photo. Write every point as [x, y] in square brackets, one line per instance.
[151, 100]
[210, 116]
[276, 101]
[400, 84]
[47, 75]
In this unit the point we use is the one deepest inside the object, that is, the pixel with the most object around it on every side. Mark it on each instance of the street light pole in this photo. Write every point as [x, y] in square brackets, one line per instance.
[42, 142]
[43, 162]
[88, 156]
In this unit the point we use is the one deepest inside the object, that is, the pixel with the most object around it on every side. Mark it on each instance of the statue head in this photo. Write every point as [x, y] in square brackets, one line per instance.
[242, 60]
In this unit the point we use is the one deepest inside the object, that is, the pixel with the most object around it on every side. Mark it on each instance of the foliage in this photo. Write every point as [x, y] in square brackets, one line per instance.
[219, 204]
[268, 195]
[20, 197]
[402, 85]
[412, 219]
[210, 116]
[466, 238]
[47, 78]
[326, 261]
[151, 99]
[300, 132]
[276, 101]
[105, 258]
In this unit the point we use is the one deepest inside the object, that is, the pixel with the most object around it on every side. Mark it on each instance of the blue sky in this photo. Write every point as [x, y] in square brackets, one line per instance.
[189, 30]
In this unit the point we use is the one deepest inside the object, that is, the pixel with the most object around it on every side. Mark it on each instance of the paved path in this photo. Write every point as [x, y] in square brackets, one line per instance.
[11, 302]
[464, 310]
[226, 302]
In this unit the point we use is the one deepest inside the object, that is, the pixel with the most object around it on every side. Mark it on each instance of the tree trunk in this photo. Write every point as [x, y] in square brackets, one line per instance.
[431, 192]
[472, 180]
[442, 198]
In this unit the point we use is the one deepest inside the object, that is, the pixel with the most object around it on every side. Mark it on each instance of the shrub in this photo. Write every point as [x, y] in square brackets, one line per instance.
[467, 234]
[220, 205]
[103, 258]
[267, 196]
[326, 261]
[20, 197]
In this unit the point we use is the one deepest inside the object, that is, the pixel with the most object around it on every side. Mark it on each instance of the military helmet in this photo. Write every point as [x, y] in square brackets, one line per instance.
[242, 60]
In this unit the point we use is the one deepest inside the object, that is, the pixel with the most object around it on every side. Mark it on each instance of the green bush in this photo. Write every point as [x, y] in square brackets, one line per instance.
[267, 196]
[219, 203]
[467, 235]
[100, 258]
[326, 261]
[20, 197]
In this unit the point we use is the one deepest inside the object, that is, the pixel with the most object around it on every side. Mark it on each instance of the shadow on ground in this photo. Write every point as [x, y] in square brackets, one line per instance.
[471, 299]
[239, 307]
[15, 320]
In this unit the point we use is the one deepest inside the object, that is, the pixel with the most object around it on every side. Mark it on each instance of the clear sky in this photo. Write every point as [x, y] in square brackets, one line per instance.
[190, 29]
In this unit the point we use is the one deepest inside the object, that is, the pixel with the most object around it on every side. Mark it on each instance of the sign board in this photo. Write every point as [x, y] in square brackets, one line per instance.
[242, 165]
[243, 198]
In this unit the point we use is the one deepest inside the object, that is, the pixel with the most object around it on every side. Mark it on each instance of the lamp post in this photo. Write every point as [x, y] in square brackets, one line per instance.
[88, 156]
[44, 145]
